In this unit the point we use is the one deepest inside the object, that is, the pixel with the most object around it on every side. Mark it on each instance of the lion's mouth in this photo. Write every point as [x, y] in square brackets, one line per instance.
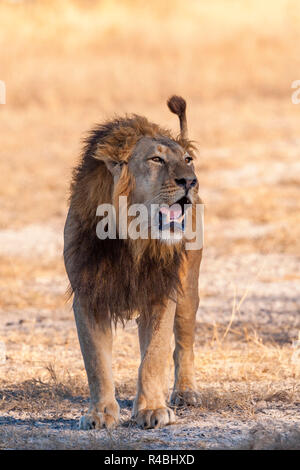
[173, 217]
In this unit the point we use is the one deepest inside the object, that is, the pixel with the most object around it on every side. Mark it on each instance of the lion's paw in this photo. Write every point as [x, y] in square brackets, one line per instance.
[185, 398]
[148, 419]
[109, 418]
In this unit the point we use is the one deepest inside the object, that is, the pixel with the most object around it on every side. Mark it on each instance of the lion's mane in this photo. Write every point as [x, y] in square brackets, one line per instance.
[107, 273]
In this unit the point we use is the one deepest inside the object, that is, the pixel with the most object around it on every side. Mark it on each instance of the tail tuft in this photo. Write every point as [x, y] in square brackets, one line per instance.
[177, 105]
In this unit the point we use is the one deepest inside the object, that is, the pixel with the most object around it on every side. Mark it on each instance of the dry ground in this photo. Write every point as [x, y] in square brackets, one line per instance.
[69, 64]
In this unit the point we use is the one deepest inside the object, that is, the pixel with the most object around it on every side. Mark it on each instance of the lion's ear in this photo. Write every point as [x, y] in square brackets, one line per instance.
[114, 167]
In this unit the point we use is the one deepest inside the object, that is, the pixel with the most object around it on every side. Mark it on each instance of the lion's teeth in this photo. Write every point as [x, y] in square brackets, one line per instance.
[167, 219]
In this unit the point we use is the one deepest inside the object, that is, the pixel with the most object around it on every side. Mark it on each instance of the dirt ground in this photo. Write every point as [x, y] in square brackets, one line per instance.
[247, 360]
[235, 65]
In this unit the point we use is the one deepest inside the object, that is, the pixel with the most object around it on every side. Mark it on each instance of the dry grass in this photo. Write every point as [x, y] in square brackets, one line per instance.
[233, 377]
[69, 64]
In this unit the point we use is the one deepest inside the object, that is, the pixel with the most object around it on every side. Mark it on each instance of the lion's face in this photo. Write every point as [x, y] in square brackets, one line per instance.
[164, 176]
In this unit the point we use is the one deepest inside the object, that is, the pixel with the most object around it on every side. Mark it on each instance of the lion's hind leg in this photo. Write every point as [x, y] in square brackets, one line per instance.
[185, 388]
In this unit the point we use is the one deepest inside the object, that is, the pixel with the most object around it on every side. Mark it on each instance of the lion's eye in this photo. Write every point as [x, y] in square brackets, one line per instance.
[188, 160]
[157, 160]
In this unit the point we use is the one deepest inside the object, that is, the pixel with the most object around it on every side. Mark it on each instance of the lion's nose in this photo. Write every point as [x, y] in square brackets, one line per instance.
[186, 183]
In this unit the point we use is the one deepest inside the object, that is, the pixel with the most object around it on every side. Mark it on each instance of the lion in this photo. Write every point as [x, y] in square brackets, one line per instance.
[155, 280]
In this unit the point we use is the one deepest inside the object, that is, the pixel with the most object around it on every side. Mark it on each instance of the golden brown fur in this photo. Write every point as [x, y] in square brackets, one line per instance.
[114, 278]
[143, 284]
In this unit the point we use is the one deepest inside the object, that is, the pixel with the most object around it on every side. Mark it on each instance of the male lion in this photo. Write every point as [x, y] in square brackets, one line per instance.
[115, 279]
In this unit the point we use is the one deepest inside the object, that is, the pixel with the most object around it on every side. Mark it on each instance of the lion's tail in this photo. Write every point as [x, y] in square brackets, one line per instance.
[177, 105]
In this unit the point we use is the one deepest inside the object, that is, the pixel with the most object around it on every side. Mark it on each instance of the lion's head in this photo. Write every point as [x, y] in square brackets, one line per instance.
[135, 158]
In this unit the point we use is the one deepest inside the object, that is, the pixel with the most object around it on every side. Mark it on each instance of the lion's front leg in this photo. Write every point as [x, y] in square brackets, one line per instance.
[155, 333]
[96, 346]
